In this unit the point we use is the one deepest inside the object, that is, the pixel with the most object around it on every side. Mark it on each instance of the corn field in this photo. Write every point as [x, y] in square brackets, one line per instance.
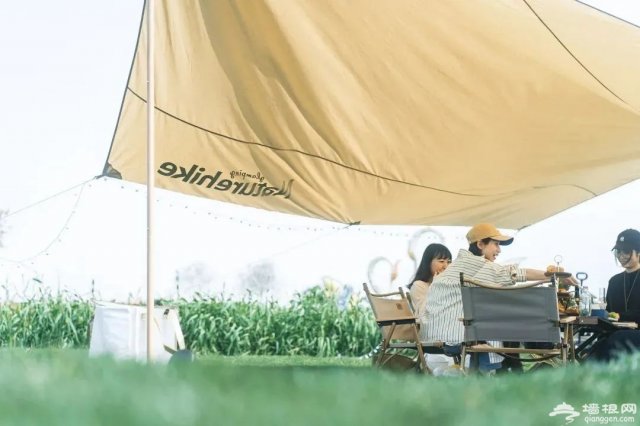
[314, 323]
[46, 321]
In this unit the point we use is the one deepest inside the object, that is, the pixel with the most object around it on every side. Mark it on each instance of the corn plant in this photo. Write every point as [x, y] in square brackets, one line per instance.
[46, 321]
[313, 323]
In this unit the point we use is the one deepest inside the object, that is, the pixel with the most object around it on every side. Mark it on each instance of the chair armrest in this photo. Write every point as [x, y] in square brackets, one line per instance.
[506, 287]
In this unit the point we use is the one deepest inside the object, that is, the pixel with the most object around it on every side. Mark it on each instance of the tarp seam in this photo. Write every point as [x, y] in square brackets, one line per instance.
[572, 55]
[350, 167]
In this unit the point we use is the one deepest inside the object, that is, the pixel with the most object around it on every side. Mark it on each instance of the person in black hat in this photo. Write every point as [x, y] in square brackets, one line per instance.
[623, 292]
[623, 297]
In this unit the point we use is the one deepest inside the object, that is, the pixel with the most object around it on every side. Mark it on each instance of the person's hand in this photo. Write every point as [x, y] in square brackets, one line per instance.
[569, 281]
[554, 268]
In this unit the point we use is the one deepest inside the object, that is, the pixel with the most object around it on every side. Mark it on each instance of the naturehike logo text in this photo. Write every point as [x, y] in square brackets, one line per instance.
[195, 175]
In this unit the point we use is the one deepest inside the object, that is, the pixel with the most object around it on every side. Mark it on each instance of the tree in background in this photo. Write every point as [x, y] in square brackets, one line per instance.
[197, 277]
[259, 278]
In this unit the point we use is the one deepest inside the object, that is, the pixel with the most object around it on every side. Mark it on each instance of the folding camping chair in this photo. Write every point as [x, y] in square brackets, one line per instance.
[521, 313]
[399, 327]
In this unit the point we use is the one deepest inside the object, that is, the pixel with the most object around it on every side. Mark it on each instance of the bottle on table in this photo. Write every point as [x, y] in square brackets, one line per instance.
[585, 302]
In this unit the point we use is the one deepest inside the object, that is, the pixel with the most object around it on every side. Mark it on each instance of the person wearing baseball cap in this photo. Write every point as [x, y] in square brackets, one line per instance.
[444, 304]
[628, 241]
[482, 231]
[623, 297]
[623, 292]
[485, 240]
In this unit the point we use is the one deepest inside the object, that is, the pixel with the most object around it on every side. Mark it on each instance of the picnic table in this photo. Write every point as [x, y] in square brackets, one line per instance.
[596, 328]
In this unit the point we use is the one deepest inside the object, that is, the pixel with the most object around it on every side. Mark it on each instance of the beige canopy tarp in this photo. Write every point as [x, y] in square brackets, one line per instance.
[403, 112]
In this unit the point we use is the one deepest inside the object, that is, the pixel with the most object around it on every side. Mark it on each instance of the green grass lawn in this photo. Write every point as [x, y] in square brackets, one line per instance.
[42, 387]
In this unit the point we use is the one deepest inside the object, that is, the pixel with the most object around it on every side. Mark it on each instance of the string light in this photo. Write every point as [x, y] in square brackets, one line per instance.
[262, 225]
[65, 227]
[325, 230]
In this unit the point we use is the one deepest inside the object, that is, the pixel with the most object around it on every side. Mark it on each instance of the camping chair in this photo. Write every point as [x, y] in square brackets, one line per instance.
[521, 313]
[399, 327]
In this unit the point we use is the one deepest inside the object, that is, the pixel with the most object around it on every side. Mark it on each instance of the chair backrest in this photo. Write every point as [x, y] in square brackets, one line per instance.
[392, 308]
[524, 315]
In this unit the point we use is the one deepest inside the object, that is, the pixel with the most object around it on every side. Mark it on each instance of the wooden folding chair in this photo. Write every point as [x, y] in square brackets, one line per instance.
[399, 327]
[521, 313]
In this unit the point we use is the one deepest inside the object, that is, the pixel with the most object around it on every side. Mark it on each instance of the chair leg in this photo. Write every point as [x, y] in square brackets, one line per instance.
[572, 347]
[421, 358]
[385, 343]
[463, 357]
[383, 351]
[567, 344]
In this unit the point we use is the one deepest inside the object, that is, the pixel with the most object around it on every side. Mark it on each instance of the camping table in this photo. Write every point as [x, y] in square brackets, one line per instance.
[598, 327]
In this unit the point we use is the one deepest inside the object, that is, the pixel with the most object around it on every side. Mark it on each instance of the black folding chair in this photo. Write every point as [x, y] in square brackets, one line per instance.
[520, 313]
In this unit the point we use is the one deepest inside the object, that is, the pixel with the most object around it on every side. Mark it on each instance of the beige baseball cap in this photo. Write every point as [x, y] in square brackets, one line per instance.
[487, 230]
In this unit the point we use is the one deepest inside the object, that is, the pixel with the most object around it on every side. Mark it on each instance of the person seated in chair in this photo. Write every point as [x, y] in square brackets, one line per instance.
[623, 297]
[435, 259]
[444, 305]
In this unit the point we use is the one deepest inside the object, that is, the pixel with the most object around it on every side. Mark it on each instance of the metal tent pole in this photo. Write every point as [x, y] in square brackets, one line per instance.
[150, 173]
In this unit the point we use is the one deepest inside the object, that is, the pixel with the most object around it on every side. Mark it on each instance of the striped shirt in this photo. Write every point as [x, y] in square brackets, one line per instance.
[441, 319]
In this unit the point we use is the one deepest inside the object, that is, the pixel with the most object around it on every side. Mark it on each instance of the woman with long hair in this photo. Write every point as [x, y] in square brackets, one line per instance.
[435, 259]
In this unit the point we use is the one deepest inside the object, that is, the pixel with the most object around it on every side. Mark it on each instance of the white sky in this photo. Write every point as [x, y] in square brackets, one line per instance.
[64, 67]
